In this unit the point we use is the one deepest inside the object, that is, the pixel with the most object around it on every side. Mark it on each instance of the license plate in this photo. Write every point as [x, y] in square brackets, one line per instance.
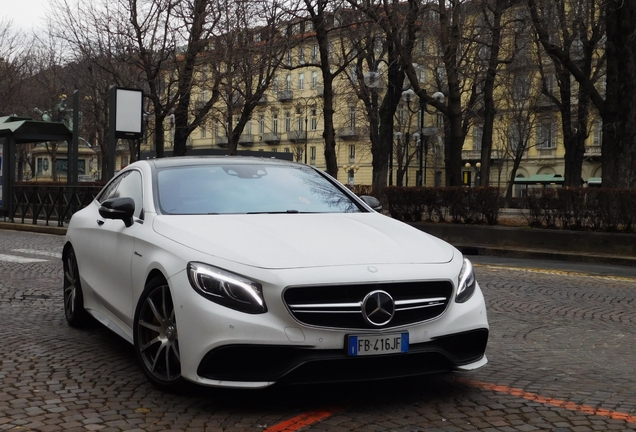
[377, 344]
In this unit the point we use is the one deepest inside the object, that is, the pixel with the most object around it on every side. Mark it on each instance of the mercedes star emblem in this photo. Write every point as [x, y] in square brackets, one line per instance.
[378, 308]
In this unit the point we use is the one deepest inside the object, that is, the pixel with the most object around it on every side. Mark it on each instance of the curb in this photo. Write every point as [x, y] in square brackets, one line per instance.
[41, 229]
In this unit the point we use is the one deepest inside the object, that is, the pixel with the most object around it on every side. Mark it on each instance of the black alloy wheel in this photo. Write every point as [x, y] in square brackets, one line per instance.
[156, 337]
[76, 315]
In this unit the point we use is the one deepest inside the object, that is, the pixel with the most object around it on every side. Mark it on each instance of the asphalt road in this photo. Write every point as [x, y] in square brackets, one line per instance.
[562, 358]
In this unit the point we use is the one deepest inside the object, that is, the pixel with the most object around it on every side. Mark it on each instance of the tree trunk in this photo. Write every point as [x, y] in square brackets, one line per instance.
[619, 127]
[489, 86]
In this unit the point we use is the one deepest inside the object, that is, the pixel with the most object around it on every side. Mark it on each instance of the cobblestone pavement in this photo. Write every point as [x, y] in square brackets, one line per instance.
[562, 358]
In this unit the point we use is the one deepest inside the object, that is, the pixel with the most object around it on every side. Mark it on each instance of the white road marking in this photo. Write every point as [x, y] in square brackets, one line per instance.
[38, 252]
[19, 259]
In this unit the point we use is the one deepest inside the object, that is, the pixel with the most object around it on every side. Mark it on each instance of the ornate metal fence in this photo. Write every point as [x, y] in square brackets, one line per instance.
[50, 203]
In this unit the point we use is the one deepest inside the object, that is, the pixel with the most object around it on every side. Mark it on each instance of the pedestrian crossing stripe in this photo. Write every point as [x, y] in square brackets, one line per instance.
[38, 252]
[20, 259]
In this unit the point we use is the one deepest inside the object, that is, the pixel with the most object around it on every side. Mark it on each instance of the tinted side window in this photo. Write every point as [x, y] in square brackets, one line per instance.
[130, 186]
[110, 189]
[126, 185]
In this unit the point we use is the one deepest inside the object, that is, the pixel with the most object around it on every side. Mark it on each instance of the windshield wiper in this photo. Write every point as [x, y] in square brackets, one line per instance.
[275, 212]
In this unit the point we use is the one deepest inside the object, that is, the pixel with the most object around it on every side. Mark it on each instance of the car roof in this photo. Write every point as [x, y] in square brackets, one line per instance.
[178, 161]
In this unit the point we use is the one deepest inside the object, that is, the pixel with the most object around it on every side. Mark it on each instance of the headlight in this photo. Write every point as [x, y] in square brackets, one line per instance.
[227, 289]
[467, 282]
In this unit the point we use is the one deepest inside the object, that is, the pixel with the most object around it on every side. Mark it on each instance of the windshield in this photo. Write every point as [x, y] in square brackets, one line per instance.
[248, 188]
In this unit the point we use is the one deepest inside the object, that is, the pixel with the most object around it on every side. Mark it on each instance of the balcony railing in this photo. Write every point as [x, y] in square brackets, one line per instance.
[547, 152]
[593, 150]
[285, 95]
[296, 135]
[349, 132]
[222, 141]
[246, 139]
[271, 138]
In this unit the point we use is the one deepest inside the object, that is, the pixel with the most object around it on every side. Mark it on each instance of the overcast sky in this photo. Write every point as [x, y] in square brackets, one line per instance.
[26, 15]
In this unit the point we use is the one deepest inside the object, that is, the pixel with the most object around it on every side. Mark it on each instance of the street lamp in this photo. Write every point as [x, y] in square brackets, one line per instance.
[351, 170]
[468, 166]
[407, 95]
[398, 136]
[303, 101]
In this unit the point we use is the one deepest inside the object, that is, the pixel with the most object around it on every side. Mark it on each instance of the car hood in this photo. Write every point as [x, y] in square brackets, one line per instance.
[277, 241]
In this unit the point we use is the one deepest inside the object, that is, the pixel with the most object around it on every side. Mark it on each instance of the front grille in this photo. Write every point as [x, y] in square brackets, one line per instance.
[340, 306]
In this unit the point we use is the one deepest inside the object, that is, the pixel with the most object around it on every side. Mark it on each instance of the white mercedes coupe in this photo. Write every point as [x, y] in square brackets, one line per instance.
[245, 272]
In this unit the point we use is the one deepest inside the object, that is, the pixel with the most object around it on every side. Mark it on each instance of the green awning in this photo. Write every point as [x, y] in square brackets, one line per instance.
[542, 179]
[26, 130]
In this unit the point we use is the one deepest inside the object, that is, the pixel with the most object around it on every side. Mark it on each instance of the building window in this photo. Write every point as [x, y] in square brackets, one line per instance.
[515, 138]
[124, 161]
[301, 54]
[288, 83]
[40, 166]
[287, 121]
[289, 57]
[261, 124]
[547, 135]
[312, 155]
[352, 117]
[440, 120]
[314, 121]
[286, 150]
[314, 53]
[598, 133]
[204, 131]
[314, 79]
[300, 124]
[352, 153]
[521, 87]
[301, 81]
[248, 127]
[478, 133]
[275, 123]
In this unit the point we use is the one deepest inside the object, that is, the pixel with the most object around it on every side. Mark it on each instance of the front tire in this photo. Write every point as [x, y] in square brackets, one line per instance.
[76, 315]
[156, 337]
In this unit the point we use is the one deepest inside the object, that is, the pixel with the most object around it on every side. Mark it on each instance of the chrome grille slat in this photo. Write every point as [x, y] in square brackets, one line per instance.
[340, 306]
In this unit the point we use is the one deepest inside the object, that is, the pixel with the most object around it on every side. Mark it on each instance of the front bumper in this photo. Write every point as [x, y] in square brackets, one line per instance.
[298, 365]
[225, 348]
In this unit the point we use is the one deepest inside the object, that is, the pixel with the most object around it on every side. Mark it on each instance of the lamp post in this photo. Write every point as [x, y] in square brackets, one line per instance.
[303, 102]
[468, 166]
[351, 171]
[398, 136]
[407, 95]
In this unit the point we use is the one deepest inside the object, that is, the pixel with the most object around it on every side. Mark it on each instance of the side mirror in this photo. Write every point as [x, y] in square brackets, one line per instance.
[372, 202]
[118, 208]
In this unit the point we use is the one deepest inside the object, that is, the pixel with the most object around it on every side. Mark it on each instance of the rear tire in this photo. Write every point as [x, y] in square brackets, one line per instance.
[156, 337]
[76, 315]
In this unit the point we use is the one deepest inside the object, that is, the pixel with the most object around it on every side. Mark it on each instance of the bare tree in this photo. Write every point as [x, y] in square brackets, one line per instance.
[13, 58]
[490, 56]
[517, 123]
[247, 58]
[608, 27]
[333, 59]
[575, 29]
